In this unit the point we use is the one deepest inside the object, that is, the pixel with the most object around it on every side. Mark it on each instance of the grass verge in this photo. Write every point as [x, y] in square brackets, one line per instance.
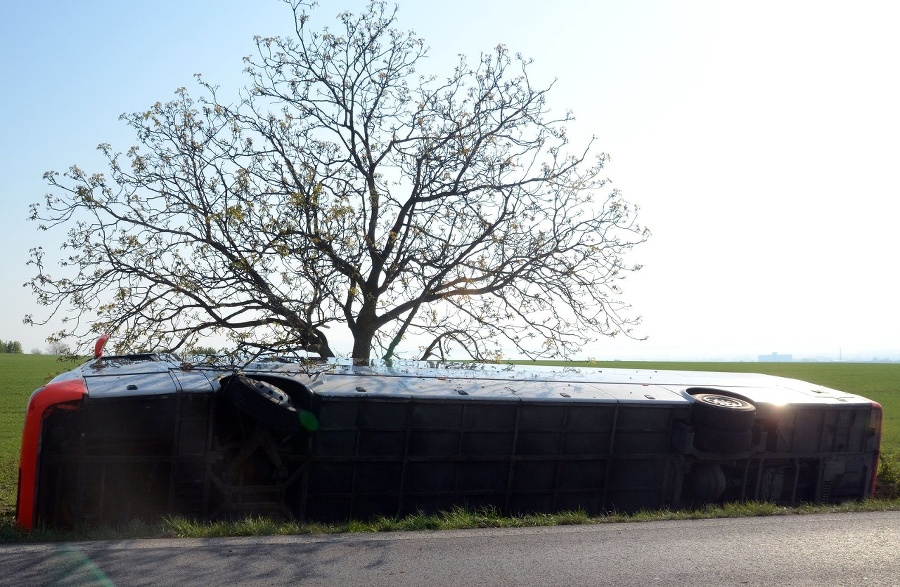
[456, 519]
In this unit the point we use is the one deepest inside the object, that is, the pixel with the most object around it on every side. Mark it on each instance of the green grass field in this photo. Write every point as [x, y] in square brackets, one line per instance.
[20, 375]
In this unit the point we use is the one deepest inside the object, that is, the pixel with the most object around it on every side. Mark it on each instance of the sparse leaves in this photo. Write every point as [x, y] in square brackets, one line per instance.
[444, 214]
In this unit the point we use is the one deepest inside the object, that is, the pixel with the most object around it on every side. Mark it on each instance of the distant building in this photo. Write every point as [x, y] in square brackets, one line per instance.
[775, 358]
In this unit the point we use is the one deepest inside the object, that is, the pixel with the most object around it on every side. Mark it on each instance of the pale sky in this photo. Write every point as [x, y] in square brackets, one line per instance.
[760, 139]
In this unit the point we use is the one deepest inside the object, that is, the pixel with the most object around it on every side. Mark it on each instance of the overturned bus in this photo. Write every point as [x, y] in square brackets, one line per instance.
[146, 435]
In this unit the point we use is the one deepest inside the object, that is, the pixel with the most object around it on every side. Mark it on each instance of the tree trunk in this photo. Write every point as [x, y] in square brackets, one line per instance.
[363, 334]
[362, 349]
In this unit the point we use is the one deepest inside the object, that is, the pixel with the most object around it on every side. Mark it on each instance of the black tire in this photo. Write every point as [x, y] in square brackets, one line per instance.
[724, 412]
[263, 402]
[724, 442]
[706, 483]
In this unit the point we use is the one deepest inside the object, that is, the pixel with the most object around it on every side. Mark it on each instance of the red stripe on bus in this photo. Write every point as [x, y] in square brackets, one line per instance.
[40, 404]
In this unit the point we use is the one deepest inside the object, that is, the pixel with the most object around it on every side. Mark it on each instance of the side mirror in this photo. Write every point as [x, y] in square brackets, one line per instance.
[98, 346]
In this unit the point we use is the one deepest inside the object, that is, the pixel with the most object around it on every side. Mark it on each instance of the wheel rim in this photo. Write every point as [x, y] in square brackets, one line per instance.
[723, 401]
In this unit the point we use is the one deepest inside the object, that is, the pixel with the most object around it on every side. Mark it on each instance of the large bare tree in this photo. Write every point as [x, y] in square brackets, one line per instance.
[343, 188]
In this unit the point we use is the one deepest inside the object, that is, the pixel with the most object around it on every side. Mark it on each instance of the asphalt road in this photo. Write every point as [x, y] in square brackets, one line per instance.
[830, 549]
